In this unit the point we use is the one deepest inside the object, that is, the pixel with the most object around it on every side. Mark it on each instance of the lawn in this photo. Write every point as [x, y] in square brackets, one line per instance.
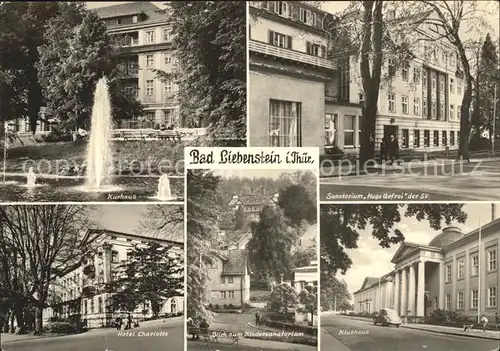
[137, 157]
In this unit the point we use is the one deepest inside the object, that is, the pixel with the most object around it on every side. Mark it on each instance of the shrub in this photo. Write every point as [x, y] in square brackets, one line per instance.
[230, 306]
[225, 306]
[309, 330]
[61, 328]
[246, 306]
[210, 305]
[217, 306]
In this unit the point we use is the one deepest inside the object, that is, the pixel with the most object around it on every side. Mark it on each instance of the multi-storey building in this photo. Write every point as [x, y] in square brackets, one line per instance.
[455, 271]
[252, 203]
[307, 91]
[82, 289]
[146, 35]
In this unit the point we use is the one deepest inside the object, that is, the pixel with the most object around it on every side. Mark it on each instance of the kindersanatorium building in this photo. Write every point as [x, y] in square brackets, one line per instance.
[455, 271]
[302, 96]
[81, 291]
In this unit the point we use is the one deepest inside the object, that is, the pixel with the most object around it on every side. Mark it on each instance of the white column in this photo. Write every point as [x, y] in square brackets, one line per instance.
[441, 286]
[404, 294]
[411, 292]
[421, 289]
[396, 291]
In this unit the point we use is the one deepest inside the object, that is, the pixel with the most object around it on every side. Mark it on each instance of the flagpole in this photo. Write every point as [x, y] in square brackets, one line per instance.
[479, 276]
[5, 150]
[379, 295]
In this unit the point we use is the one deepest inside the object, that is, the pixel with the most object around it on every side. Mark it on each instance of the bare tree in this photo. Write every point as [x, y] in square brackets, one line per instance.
[164, 221]
[43, 242]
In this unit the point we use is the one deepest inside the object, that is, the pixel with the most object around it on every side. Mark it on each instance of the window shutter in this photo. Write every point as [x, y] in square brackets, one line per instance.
[289, 39]
[271, 35]
[290, 11]
[308, 47]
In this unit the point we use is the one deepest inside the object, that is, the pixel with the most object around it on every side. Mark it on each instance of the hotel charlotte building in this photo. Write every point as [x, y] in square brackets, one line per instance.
[300, 95]
[81, 290]
[455, 272]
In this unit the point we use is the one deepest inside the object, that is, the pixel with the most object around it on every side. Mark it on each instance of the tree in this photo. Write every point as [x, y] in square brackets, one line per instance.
[309, 298]
[77, 54]
[164, 222]
[152, 274]
[282, 298]
[43, 241]
[240, 218]
[297, 204]
[333, 292]
[202, 217]
[303, 257]
[271, 244]
[339, 226]
[210, 44]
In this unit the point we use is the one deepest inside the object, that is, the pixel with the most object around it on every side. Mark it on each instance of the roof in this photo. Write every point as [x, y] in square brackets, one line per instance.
[446, 237]
[126, 9]
[253, 199]
[370, 282]
[235, 262]
[93, 234]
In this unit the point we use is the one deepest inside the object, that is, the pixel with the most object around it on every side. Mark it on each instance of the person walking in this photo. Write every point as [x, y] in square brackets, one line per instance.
[129, 321]
[393, 149]
[484, 322]
[383, 150]
[257, 318]
[118, 323]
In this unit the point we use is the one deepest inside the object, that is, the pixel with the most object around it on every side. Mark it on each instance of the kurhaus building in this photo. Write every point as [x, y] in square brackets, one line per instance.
[455, 271]
[303, 93]
[81, 290]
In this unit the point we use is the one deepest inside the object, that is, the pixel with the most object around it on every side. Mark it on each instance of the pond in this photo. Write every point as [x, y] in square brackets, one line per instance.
[71, 189]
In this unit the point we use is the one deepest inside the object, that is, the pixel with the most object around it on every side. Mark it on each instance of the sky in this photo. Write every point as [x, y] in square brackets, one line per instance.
[370, 260]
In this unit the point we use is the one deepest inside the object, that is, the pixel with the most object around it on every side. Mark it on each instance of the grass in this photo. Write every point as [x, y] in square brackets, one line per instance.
[129, 156]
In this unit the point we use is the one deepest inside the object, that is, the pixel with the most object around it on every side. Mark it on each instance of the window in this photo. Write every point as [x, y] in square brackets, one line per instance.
[404, 104]
[119, 21]
[453, 59]
[168, 88]
[222, 295]
[331, 129]
[416, 75]
[281, 40]
[435, 138]
[315, 49]
[150, 59]
[452, 112]
[230, 279]
[281, 8]
[168, 117]
[460, 300]
[416, 138]
[448, 270]
[459, 112]
[307, 17]
[361, 98]
[448, 301]
[150, 37]
[345, 82]
[404, 71]
[222, 280]
[492, 260]
[99, 304]
[460, 269]
[426, 138]
[459, 86]
[452, 138]
[492, 296]
[441, 110]
[441, 83]
[444, 137]
[474, 298]
[416, 106]
[433, 75]
[285, 123]
[406, 137]
[392, 102]
[392, 67]
[135, 19]
[92, 307]
[433, 109]
[114, 256]
[149, 88]
[167, 34]
[424, 79]
[349, 128]
[475, 265]
[230, 294]
[452, 86]
[425, 109]
[168, 59]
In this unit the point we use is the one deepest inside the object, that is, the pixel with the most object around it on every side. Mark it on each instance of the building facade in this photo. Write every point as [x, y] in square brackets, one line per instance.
[305, 92]
[455, 272]
[82, 290]
[253, 202]
[229, 278]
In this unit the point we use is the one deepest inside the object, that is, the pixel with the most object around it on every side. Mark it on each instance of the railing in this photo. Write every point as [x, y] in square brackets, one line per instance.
[277, 51]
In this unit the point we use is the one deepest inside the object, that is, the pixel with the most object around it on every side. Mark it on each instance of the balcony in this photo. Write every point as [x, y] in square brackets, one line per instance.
[288, 54]
[89, 290]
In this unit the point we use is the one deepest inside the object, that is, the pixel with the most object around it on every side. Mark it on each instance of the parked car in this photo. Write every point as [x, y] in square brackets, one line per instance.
[387, 317]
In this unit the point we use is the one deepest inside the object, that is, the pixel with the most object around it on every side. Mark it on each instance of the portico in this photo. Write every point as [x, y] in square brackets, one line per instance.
[414, 266]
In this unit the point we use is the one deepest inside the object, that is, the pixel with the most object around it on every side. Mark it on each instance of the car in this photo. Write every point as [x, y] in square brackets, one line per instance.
[387, 317]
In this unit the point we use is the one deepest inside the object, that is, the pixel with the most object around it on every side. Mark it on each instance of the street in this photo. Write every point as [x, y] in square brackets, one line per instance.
[108, 339]
[434, 182]
[362, 335]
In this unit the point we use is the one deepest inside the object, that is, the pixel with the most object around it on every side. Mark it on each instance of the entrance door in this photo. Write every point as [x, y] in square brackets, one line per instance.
[390, 130]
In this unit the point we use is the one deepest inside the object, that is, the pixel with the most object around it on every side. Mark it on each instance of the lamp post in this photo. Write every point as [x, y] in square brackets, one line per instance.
[6, 129]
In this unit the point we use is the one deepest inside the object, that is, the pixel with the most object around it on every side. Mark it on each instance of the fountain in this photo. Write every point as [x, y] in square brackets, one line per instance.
[99, 153]
[31, 178]
[164, 191]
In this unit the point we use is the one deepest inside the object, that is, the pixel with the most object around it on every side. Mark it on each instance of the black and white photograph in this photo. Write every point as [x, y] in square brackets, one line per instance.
[99, 99]
[252, 265]
[410, 276]
[86, 278]
[401, 98]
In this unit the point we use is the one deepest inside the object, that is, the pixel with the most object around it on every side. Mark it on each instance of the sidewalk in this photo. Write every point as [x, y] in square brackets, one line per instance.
[333, 343]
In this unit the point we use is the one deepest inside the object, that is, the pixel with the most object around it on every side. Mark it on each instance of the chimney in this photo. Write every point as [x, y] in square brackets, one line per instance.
[494, 212]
